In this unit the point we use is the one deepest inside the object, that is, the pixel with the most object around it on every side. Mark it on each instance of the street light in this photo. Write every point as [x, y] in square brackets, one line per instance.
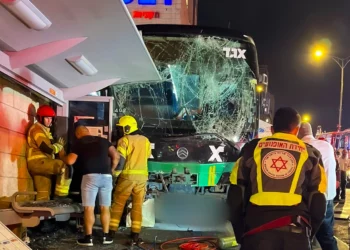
[306, 118]
[318, 53]
[342, 63]
[259, 89]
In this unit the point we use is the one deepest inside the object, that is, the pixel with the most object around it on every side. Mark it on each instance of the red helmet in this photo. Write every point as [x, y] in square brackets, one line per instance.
[46, 111]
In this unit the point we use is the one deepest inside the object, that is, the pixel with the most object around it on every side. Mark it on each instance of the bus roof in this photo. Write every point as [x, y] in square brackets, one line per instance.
[148, 29]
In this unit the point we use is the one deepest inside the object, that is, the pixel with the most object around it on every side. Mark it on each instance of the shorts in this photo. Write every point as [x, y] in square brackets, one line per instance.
[93, 184]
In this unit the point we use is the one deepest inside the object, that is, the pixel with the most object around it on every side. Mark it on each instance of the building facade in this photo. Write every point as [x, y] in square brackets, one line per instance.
[163, 11]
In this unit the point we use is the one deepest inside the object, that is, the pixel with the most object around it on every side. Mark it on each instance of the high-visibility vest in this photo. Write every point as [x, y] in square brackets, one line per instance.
[278, 170]
[135, 149]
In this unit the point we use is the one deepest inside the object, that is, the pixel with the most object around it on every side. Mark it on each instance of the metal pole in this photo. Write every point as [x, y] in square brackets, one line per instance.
[341, 97]
[342, 62]
[259, 108]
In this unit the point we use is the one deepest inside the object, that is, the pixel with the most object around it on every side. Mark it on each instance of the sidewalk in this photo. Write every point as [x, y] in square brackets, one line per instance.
[341, 225]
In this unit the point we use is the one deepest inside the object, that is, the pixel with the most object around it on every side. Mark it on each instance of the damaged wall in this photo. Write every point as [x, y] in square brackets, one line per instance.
[17, 109]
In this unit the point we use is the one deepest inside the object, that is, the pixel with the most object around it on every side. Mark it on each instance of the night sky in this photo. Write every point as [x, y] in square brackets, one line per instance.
[283, 32]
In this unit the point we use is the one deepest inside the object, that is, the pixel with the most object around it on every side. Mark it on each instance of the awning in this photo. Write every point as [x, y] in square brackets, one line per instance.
[103, 33]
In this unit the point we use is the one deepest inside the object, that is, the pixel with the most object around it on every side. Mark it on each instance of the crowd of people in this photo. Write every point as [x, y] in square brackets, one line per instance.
[98, 161]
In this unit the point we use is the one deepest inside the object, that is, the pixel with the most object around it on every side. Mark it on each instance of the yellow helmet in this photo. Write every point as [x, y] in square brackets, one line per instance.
[128, 123]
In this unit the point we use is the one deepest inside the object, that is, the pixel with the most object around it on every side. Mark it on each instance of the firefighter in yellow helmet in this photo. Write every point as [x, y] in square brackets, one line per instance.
[41, 161]
[277, 189]
[132, 173]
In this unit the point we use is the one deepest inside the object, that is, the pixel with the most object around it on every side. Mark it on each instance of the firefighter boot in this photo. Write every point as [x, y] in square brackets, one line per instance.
[135, 239]
[63, 183]
[112, 233]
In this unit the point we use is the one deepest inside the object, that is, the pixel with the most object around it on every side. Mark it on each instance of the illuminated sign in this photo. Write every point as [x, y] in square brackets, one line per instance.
[234, 53]
[149, 2]
[145, 14]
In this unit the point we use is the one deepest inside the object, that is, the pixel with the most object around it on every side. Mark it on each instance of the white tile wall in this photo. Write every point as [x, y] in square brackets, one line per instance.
[17, 110]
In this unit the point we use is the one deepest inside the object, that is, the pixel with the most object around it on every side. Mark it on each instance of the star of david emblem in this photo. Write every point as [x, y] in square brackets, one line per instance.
[279, 164]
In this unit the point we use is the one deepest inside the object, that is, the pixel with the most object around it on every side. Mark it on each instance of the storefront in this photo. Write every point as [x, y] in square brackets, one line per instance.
[163, 11]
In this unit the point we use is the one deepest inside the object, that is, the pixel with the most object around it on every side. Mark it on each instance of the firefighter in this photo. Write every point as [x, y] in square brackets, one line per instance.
[132, 173]
[276, 196]
[41, 161]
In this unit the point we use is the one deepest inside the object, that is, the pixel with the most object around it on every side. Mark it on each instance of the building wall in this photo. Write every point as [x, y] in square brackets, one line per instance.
[177, 13]
[17, 109]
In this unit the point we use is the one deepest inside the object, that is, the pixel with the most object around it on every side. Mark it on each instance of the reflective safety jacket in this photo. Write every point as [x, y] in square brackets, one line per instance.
[40, 143]
[278, 170]
[135, 149]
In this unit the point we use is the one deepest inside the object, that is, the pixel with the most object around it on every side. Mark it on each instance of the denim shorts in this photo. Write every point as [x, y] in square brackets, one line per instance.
[93, 184]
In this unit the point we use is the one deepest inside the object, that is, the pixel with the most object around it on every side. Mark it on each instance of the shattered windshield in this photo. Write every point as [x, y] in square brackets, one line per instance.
[207, 87]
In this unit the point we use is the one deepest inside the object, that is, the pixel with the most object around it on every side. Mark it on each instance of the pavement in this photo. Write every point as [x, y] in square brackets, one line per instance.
[65, 235]
[342, 222]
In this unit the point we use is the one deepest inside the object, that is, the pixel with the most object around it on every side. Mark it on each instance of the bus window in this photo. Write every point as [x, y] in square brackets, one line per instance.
[208, 83]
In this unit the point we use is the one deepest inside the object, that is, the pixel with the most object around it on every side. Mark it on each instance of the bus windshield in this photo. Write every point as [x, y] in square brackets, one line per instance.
[208, 86]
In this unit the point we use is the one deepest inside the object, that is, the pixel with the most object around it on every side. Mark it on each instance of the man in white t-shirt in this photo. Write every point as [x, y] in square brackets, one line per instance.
[325, 234]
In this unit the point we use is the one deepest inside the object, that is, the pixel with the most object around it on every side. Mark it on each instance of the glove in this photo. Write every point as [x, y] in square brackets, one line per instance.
[61, 141]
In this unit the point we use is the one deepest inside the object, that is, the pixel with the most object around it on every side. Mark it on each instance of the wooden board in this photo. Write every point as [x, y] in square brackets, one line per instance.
[8, 240]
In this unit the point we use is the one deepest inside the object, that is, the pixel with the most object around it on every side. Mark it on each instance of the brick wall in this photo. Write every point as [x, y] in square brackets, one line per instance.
[17, 109]
[168, 14]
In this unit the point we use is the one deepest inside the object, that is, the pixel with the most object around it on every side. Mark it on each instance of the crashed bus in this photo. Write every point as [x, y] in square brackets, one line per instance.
[205, 103]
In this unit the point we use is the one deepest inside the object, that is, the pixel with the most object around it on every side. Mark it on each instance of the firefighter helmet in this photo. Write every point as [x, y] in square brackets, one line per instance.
[46, 111]
[128, 123]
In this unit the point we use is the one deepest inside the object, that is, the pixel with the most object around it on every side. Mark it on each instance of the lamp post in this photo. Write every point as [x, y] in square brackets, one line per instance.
[259, 89]
[342, 63]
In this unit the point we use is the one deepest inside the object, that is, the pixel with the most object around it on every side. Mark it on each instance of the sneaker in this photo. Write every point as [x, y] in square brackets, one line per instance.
[107, 239]
[86, 241]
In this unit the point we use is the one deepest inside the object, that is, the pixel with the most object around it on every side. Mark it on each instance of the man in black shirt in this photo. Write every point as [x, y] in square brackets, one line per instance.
[97, 158]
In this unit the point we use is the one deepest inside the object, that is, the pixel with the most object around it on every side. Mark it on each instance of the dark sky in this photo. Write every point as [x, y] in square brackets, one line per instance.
[283, 32]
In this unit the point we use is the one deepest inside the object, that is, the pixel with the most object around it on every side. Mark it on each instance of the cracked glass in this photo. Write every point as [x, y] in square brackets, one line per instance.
[207, 87]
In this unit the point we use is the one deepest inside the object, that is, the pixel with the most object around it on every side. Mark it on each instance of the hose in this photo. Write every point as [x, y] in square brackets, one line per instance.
[193, 243]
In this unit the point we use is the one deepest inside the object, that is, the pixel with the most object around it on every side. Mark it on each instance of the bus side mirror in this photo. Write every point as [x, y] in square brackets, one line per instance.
[263, 79]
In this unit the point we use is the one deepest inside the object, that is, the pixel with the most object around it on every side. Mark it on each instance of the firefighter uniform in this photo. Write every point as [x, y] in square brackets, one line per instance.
[132, 173]
[41, 159]
[277, 193]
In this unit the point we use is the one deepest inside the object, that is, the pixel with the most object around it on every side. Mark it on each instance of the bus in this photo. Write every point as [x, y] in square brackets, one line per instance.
[338, 139]
[202, 108]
